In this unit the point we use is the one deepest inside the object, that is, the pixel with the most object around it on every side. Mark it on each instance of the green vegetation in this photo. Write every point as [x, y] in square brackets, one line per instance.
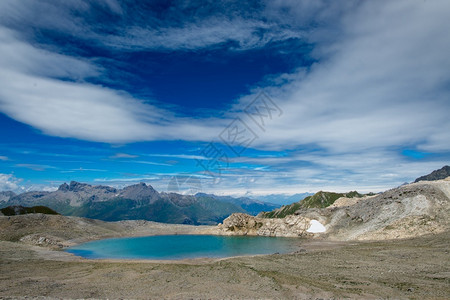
[285, 210]
[318, 200]
[22, 210]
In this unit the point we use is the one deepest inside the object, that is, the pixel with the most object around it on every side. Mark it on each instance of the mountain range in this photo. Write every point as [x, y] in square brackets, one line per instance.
[139, 201]
[282, 199]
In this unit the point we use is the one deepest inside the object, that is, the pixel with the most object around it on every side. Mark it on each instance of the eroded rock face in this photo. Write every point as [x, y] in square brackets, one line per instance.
[243, 224]
[404, 212]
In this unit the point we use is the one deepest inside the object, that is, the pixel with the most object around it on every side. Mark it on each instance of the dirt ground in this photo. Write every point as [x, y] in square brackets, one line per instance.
[416, 268]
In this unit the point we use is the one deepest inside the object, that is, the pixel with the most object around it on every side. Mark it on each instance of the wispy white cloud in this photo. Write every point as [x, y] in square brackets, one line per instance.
[243, 34]
[89, 170]
[145, 162]
[213, 28]
[35, 167]
[124, 155]
[4, 158]
[181, 156]
[128, 180]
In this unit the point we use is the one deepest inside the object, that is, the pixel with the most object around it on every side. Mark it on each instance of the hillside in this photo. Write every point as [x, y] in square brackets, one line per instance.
[318, 200]
[57, 231]
[441, 173]
[139, 201]
[407, 211]
[282, 199]
[251, 206]
[22, 210]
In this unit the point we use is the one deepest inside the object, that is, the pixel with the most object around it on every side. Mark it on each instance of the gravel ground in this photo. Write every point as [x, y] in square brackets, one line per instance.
[416, 268]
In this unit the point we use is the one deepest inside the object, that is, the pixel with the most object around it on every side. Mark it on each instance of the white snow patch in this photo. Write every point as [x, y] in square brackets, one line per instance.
[316, 227]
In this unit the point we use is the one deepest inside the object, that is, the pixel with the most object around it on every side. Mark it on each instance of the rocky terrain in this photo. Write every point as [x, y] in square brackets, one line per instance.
[135, 202]
[410, 260]
[407, 211]
[415, 268]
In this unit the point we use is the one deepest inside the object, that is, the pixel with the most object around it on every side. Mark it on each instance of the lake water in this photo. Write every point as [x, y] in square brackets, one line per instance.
[184, 246]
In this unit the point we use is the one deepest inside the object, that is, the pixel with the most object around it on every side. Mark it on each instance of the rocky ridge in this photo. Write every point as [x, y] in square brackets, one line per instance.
[243, 224]
[407, 211]
[134, 202]
[439, 174]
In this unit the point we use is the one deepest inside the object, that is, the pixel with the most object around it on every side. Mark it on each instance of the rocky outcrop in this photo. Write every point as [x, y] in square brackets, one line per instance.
[345, 201]
[407, 211]
[243, 224]
[43, 241]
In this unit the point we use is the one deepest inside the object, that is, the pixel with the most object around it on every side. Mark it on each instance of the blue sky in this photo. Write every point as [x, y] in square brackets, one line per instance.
[238, 97]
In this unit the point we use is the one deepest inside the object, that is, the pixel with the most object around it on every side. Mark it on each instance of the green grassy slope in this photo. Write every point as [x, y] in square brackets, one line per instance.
[318, 200]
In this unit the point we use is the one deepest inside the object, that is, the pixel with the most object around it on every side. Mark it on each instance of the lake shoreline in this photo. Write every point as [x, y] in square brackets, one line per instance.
[326, 269]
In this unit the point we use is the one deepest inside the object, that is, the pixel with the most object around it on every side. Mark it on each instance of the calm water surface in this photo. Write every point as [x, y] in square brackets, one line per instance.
[184, 246]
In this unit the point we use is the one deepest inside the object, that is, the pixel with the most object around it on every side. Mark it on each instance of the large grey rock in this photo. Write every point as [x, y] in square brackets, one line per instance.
[243, 224]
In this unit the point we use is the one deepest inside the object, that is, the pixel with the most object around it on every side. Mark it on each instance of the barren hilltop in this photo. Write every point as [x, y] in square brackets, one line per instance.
[407, 211]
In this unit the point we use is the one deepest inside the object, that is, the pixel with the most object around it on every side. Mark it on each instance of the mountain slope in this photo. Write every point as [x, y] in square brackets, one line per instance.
[442, 173]
[251, 206]
[282, 199]
[318, 200]
[5, 196]
[139, 201]
[407, 211]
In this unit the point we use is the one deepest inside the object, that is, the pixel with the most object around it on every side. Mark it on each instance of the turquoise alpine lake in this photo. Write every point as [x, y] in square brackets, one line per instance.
[171, 247]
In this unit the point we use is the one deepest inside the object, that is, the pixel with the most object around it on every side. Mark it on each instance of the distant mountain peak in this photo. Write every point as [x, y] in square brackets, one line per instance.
[139, 187]
[74, 186]
[139, 191]
[63, 187]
